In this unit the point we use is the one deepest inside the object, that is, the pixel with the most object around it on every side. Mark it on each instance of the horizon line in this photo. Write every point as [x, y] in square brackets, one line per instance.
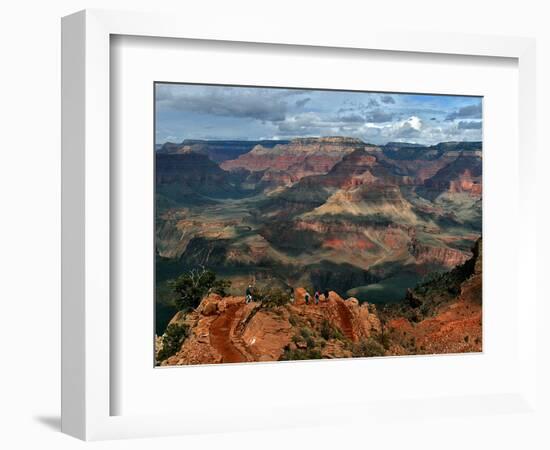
[312, 137]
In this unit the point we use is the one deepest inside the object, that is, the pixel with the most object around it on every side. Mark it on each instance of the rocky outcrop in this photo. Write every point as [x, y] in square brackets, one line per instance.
[227, 330]
[443, 315]
[464, 174]
[443, 256]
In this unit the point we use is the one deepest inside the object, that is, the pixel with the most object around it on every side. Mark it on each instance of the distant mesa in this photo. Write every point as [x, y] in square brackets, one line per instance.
[298, 158]
[218, 150]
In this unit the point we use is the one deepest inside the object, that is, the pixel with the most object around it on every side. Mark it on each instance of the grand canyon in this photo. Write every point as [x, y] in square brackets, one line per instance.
[316, 248]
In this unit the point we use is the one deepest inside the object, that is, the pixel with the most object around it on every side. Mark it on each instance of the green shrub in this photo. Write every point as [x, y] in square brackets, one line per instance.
[300, 355]
[367, 348]
[191, 287]
[271, 297]
[305, 332]
[384, 339]
[172, 339]
[314, 354]
[310, 342]
[329, 331]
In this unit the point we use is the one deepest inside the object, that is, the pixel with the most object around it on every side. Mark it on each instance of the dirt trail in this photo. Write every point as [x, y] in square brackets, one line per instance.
[220, 336]
[345, 320]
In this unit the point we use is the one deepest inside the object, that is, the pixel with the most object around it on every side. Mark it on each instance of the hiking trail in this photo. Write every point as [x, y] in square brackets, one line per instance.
[220, 336]
[345, 320]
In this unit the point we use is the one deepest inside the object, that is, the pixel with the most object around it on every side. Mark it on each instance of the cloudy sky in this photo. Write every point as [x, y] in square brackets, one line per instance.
[221, 112]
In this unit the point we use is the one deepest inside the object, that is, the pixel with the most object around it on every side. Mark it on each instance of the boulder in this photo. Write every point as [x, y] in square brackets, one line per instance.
[209, 309]
[267, 334]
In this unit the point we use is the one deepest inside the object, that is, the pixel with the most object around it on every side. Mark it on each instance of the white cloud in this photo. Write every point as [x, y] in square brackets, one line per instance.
[414, 122]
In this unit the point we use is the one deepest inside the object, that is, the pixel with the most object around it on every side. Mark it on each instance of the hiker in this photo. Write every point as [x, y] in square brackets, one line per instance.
[291, 293]
[306, 298]
[249, 294]
[316, 297]
[326, 295]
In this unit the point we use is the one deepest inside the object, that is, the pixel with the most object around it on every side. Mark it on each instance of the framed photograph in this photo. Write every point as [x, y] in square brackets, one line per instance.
[300, 224]
[252, 217]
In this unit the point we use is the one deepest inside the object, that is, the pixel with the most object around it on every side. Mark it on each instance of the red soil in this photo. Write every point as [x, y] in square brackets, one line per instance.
[221, 333]
[345, 320]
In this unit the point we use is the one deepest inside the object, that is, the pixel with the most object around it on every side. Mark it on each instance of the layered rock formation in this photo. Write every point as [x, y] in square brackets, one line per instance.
[217, 151]
[444, 256]
[443, 315]
[461, 175]
[290, 162]
[334, 213]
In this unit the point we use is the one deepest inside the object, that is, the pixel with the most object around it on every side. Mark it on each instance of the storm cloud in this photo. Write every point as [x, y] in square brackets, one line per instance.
[466, 112]
[469, 125]
[387, 99]
[229, 102]
[379, 116]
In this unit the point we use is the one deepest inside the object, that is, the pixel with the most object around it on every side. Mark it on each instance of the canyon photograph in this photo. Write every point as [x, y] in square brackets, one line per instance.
[305, 224]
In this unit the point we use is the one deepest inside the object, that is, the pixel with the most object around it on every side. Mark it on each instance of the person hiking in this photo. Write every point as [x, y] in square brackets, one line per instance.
[316, 297]
[326, 294]
[248, 294]
[291, 294]
[306, 298]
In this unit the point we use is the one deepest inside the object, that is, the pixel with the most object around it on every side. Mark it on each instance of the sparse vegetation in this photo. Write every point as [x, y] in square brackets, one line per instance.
[299, 354]
[310, 342]
[329, 331]
[305, 345]
[384, 339]
[172, 340]
[367, 348]
[305, 332]
[271, 297]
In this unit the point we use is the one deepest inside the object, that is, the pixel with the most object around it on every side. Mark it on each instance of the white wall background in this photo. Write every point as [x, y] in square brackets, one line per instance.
[30, 193]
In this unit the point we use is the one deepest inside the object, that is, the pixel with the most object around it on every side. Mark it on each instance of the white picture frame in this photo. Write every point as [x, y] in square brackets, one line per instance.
[86, 218]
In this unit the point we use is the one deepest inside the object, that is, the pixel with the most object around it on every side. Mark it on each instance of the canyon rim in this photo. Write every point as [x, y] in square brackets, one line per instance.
[297, 224]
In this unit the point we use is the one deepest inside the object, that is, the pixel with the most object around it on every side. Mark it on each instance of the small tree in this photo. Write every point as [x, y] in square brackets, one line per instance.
[367, 347]
[191, 287]
[172, 339]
